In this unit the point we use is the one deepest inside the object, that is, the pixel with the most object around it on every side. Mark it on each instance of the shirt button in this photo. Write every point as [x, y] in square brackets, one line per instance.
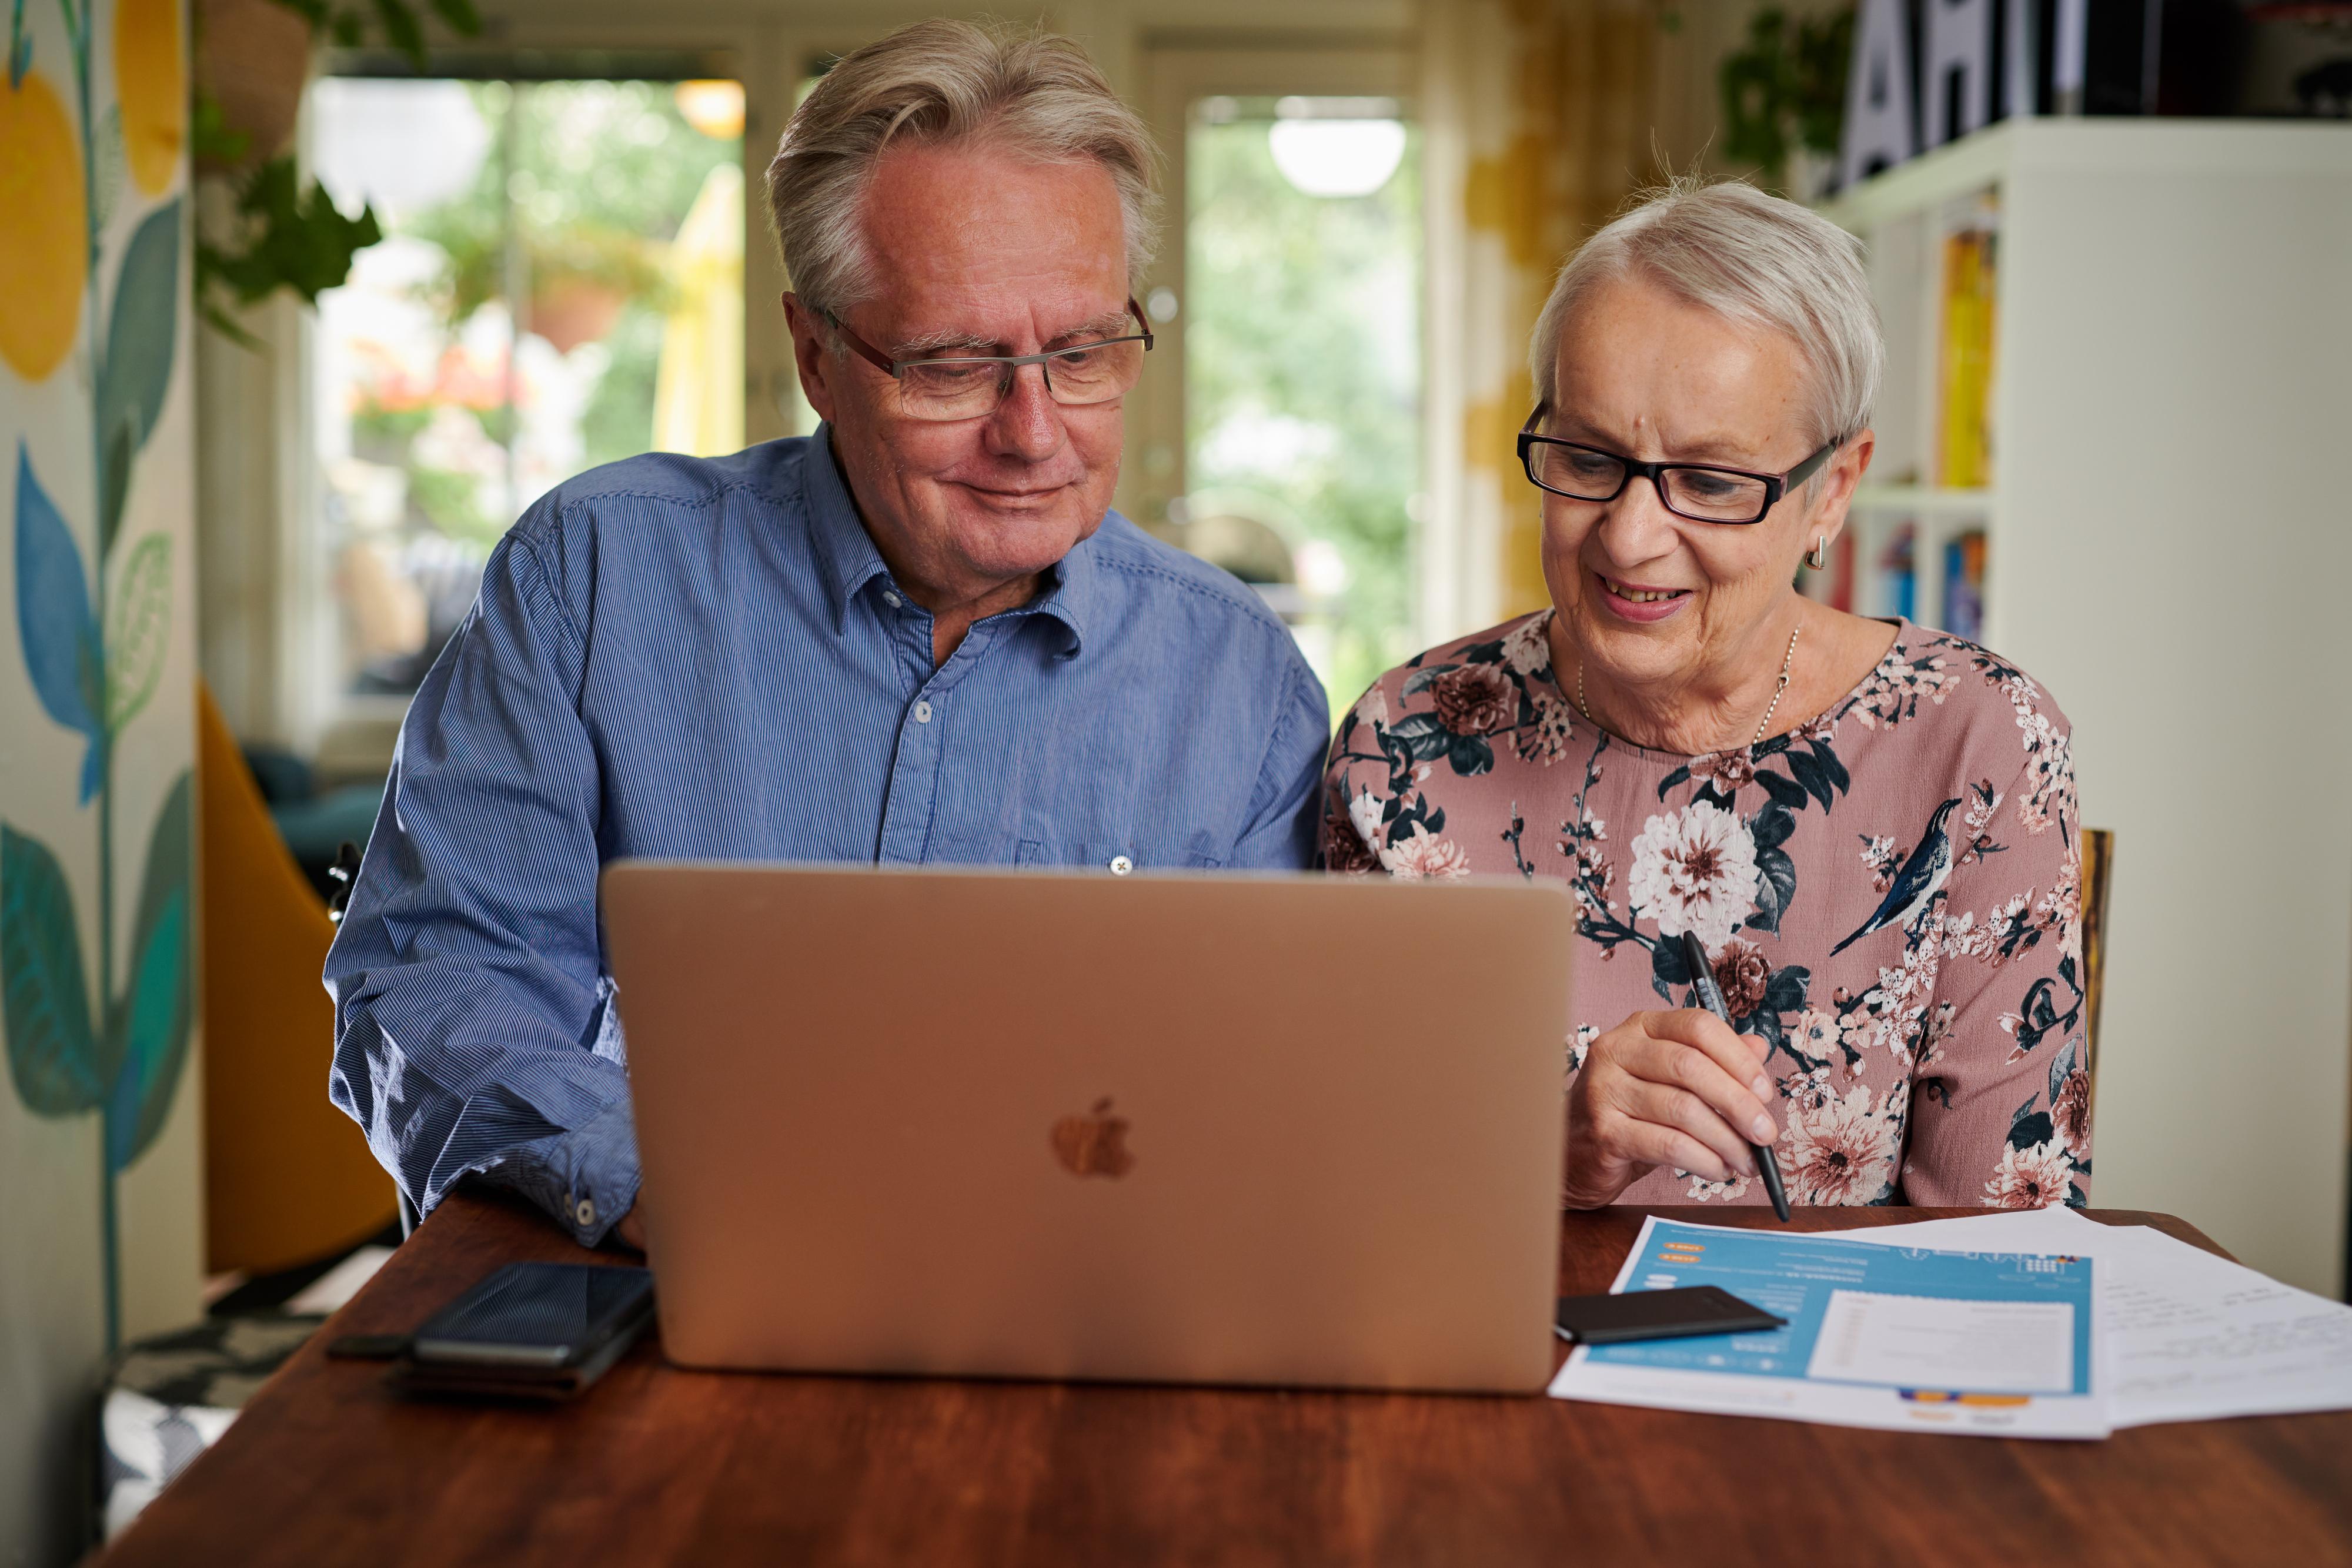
[922, 713]
[585, 1213]
[893, 601]
[1120, 866]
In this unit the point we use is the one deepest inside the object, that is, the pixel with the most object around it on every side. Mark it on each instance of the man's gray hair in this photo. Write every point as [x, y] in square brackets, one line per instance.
[944, 83]
[1749, 257]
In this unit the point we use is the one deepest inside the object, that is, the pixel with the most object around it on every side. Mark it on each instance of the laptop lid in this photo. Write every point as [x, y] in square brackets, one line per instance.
[1297, 1130]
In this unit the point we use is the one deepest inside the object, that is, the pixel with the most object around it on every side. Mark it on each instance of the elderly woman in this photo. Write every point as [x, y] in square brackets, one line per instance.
[1870, 825]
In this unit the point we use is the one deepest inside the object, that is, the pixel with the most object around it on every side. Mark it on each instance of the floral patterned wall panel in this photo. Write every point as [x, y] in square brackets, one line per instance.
[100, 1226]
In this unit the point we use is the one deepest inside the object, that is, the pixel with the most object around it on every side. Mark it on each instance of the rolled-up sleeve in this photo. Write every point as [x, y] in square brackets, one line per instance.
[474, 1029]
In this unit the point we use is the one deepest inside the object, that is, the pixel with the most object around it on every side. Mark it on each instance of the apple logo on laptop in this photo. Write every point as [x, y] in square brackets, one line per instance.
[1093, 1144]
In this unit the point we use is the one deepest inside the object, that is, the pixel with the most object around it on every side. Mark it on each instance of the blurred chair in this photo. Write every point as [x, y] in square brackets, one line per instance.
[288, 1178]
[2098, 859]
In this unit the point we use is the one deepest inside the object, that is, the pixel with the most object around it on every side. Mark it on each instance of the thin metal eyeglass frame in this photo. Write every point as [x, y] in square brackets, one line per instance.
[1011, 362]
[1775, 484]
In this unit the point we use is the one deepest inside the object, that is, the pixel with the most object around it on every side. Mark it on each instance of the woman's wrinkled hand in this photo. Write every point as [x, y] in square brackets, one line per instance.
[1676, 1089]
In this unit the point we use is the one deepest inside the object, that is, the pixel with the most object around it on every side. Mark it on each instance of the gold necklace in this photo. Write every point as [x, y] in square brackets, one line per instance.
[1786, 663]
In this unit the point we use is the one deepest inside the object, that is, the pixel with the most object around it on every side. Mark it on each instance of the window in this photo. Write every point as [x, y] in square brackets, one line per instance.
[561, 285]
[1302, 367]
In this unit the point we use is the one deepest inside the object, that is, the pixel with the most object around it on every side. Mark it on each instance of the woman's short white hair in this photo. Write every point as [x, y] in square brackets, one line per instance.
[1749, 257]
[943, 82]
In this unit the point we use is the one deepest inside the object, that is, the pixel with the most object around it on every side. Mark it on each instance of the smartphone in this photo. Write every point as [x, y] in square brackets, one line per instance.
[1659, 1314]
[539, 1318]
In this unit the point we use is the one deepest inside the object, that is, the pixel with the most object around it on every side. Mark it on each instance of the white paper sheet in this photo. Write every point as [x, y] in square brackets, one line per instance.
[2187, 1336]
[1939, 1340]
[2000, 1347]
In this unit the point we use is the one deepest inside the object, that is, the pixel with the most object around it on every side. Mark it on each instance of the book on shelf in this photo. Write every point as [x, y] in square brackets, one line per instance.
[1964, 578]
[1897, 589]
[1964, 433]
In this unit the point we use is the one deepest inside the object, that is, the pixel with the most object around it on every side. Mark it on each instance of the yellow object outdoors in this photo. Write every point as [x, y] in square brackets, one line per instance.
[150, 85]
[44, 236]
[699, 388]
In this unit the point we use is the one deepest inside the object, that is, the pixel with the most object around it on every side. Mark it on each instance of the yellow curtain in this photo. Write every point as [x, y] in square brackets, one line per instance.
[1542, 118]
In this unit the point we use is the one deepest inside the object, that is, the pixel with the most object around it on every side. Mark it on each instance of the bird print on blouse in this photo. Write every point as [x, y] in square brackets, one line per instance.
[1916, 884]
[1921, 1000]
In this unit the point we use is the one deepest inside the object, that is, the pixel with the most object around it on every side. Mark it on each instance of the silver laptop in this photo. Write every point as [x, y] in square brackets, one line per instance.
[1294, 1130]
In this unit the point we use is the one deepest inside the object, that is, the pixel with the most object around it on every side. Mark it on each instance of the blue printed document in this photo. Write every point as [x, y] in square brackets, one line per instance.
[1997, 1345]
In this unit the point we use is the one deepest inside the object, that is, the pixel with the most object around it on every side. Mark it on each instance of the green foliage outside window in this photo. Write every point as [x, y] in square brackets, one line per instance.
[601, 173]
[1302, 315]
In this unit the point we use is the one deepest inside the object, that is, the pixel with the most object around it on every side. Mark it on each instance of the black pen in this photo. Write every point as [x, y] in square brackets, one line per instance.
[1710, 996]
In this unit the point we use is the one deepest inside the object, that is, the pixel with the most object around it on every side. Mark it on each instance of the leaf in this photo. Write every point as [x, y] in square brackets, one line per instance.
[44, 1004]
[109, 166]
[1831, 768]
[1424, 735]
[1679, 775]
[2027, 1132]
[1775, 885]
[1808, 772]
[140, 339]
[2059, 1068]
[1666, 965]
[1772, 826]
[1785, 791]
[1785, 992]
[402, 30]
[2023, 1110]
[62, 656]
[459, 16]
[1471, 755]
[136, 623]
[1421, 679]
[147, 1030]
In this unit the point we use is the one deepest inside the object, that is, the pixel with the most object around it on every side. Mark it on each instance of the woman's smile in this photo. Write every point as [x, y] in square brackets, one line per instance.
[1638, 602]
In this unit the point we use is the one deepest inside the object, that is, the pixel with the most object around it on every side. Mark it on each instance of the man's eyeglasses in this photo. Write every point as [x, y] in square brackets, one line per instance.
[1699, 491]
[968, 386]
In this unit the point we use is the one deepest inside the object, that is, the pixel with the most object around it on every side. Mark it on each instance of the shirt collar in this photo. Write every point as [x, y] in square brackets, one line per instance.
[848, 560]
[845, 553]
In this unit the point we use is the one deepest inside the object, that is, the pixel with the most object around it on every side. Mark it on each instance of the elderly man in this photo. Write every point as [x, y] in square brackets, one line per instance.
[918, 635]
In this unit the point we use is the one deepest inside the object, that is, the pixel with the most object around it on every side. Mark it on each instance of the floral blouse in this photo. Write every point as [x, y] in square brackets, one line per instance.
[1891, 895]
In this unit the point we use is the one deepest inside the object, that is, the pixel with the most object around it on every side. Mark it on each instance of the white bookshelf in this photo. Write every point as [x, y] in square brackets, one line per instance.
[2168, 530]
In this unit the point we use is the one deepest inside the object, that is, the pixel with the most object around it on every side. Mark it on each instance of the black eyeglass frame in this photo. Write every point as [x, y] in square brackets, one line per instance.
[1775, 484]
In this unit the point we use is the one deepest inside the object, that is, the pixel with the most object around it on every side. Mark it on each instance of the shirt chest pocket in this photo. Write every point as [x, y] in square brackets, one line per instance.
[1121, 855]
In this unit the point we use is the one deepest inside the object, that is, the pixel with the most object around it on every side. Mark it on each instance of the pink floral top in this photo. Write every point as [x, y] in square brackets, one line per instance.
[1891, 895]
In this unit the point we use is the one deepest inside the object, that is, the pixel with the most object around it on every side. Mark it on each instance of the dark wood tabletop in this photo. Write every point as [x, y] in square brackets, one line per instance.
[659, 1466]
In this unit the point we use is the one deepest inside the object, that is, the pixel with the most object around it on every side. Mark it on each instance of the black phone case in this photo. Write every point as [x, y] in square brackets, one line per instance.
[1685, 1313]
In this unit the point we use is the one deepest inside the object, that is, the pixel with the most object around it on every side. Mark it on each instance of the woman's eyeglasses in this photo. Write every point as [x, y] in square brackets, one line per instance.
[970, 386]
[1699, 491]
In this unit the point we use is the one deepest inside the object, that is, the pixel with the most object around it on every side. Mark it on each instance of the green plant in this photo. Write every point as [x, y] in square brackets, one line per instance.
[1785, 88]
[291, 236]
[289, 233]
[402, 29]
[584, 249]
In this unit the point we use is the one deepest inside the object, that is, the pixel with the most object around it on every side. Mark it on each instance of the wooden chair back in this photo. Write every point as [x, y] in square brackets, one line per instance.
[2098, 858]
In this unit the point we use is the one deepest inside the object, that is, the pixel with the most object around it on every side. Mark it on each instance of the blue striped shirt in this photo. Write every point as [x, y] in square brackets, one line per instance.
[706, 659]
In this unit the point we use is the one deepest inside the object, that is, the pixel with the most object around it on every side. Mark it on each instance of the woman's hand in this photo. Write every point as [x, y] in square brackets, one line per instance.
[1673, 1089]
[631, 1230]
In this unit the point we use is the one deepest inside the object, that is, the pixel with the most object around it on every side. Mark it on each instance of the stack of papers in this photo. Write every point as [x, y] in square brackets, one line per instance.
[2038, 1323]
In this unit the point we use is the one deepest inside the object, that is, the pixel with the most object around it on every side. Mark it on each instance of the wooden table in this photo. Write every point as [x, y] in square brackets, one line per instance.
[658, 1466]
